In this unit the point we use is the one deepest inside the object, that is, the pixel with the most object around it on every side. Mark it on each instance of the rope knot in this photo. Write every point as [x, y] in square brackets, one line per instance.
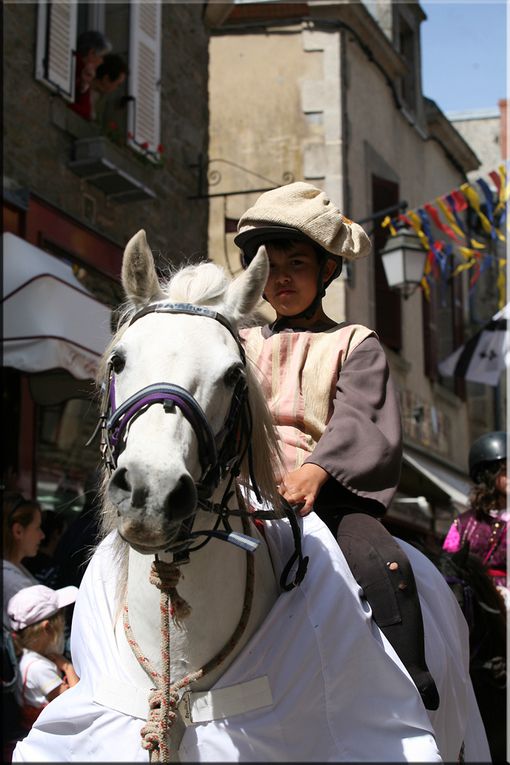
[165, 577]
[154, 731]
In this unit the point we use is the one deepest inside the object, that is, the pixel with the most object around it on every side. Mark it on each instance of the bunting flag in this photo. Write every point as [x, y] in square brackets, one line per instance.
[461, 252]
[448, 214]
[433, 213]
[484, 356]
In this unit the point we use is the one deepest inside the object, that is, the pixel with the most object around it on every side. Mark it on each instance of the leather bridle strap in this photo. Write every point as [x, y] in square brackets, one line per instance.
[192, 310]
[169, 395]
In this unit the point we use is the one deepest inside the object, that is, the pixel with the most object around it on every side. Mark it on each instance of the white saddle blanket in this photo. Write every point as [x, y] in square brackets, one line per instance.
[339, 693]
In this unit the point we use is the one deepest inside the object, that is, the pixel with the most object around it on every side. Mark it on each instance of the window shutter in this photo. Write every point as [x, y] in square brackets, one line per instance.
[145, 75]
[56, 41]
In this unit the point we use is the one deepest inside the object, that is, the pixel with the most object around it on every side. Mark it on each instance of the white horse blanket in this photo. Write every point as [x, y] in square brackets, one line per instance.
[339, 692]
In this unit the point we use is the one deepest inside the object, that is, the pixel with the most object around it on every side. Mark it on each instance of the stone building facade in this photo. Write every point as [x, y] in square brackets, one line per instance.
[75, 191]
[330, 93]
[41, 134]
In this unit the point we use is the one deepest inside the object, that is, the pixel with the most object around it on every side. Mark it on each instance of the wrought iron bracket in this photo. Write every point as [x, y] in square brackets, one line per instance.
[208, 177]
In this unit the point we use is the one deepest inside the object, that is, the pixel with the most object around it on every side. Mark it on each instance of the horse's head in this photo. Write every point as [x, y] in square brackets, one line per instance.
[175, 385]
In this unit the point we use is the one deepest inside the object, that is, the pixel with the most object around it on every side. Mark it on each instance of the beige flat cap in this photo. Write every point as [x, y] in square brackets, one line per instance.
[300, 208]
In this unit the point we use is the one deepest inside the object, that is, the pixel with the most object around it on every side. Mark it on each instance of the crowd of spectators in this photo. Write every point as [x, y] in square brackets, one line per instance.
[43, 559]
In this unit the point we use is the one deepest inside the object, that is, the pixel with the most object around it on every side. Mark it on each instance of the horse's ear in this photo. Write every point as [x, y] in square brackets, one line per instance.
[139, 277]
[244, 293]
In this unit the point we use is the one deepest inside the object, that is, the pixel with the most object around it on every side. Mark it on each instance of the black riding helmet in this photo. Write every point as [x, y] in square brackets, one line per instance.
[486, 452]
[250, 241]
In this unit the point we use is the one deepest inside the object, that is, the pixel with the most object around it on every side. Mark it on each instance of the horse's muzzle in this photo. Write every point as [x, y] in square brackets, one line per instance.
[150, 516]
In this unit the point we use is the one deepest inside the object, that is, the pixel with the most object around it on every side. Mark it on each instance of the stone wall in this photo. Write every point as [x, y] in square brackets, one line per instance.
[38, 144]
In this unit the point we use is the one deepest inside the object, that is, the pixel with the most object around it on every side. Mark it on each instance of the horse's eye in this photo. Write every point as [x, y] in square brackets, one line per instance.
[232, 375]
[118, 363]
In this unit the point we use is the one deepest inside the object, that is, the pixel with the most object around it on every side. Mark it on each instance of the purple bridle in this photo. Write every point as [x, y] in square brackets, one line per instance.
[217, 454]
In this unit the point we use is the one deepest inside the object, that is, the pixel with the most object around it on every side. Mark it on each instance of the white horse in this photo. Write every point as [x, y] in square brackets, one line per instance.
[235, 663]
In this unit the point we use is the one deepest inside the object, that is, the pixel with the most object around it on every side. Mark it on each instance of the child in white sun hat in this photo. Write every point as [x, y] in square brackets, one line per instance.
[334, 405]
[37, 618]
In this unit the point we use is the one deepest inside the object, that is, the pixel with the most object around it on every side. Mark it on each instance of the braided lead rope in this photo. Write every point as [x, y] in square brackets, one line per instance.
[163, 699]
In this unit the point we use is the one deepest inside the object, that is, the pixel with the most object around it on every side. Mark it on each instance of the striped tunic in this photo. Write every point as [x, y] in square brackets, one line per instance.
[334, 405]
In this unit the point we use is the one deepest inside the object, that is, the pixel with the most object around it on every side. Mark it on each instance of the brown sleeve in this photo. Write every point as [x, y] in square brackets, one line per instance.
[361, 447]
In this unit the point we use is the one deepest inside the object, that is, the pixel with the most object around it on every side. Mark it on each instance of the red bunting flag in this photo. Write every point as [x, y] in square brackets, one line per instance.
[431, 210]
[497, 180]
[459, 200]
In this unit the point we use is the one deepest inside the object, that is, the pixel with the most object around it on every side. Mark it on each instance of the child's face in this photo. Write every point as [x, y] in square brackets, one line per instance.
[292, 282]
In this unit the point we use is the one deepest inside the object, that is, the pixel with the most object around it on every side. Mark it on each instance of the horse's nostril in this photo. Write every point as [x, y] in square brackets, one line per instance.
[183, 497]
[120, 480]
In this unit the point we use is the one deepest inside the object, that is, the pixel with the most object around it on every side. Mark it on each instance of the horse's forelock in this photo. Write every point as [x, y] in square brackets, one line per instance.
[202, 284]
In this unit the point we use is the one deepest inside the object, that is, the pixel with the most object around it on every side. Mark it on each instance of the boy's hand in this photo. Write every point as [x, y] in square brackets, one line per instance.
[303, 485]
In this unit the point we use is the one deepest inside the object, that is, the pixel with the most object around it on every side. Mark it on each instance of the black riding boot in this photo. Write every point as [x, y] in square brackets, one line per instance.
[382, 569]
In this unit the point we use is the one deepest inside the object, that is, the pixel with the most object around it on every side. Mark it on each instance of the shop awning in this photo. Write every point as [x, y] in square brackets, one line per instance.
[50, 321]
[449, 483]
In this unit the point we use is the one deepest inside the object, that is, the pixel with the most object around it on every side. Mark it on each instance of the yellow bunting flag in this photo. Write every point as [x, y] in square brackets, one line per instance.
[504, 189]
[449, 217]
[416, 224]
[501, 282]
[465, 266]
[474, 200]
[387, 222]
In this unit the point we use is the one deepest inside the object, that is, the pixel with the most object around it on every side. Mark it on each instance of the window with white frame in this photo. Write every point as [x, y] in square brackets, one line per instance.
[58, 26]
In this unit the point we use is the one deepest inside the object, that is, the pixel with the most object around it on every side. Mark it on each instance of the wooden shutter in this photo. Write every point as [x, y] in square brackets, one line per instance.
[145, 74]
[56, 41]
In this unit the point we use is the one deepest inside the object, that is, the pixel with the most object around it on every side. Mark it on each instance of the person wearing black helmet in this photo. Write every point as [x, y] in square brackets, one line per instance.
[484, 525]
[334, 404]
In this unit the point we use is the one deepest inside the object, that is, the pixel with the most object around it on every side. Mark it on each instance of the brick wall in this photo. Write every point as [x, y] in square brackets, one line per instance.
[38, 146]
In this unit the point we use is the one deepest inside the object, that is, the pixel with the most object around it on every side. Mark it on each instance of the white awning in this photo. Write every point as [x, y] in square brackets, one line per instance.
[50, 320]
[455, 486]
